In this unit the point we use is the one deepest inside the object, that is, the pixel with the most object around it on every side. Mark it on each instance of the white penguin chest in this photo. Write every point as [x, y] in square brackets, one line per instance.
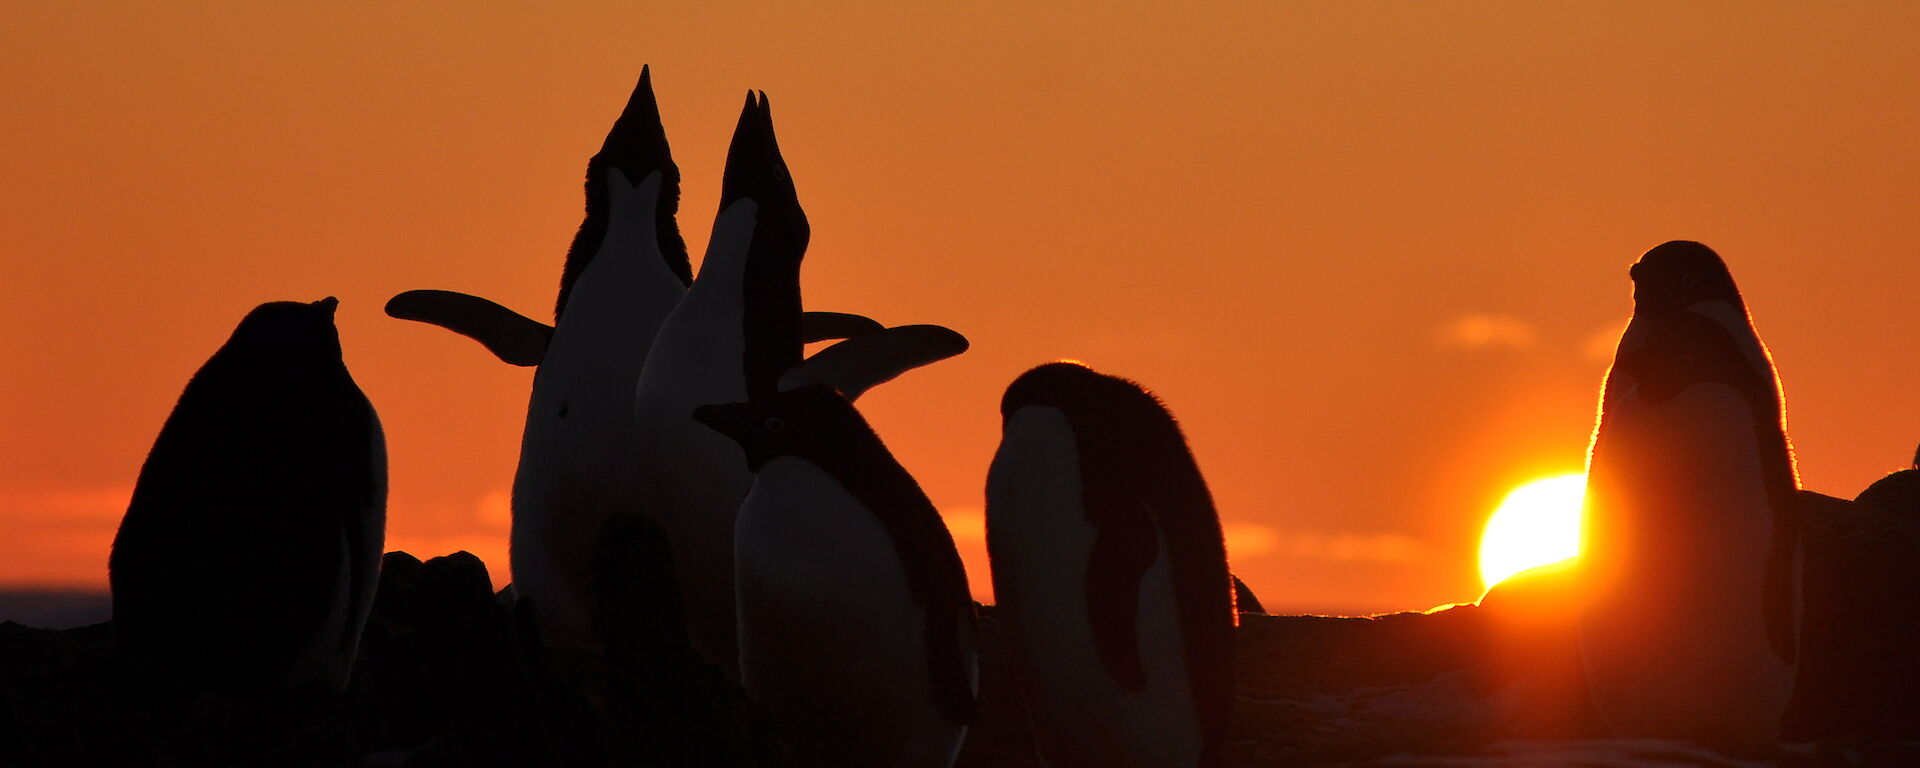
[1041, 543]
[1674, 637]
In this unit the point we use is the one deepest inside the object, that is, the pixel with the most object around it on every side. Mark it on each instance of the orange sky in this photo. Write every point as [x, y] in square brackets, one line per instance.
[1372, 255]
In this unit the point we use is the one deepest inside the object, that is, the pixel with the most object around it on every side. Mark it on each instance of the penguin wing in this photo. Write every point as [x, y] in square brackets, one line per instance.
[1126, 545]
[826, 326]
[509, 335]
[858, 364]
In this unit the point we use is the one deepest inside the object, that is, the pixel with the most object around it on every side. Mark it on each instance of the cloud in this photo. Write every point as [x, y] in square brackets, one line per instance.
[59, 537]
[1256, 540]
[1484, 331]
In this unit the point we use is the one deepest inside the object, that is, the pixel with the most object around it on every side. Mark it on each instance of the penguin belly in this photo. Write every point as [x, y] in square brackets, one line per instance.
[1041, 543]
[697, 477]
[1673, 636]
[579, 457]
[832, 644]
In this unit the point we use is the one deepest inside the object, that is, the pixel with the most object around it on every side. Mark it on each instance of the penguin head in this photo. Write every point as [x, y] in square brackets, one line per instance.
[1678, 274]
[287, 333]
[1684, 349]
[812, 421]
[770, 294]
[636, 146]
[1092, 399]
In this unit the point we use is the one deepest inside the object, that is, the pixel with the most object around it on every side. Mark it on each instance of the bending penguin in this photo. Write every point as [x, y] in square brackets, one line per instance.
[250, 551]
[1689, 629]
[856, 622]
[1111, 574]
[738, 336]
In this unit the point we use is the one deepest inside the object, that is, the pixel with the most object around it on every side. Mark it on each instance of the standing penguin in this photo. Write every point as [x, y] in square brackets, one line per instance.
[251, 548]
[626, 269]
[738, 336]
[856, 623]
[1690, 531]
[1111, 572]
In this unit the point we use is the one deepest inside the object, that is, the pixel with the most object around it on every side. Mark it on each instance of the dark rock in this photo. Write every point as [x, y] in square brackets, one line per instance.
[1859, 670]
[667, 705]
[1244, 600]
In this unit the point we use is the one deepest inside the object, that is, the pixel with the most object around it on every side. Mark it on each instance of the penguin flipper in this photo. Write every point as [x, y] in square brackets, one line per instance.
[509, 335]
[858, 364]
[827, 326]
[1125, 547]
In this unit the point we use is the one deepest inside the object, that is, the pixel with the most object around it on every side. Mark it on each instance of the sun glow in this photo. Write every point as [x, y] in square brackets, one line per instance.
[1538, 523]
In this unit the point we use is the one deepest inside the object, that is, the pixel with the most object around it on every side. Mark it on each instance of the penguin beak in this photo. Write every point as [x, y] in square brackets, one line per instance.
[327, 305]
[742, 423]
[735, 420]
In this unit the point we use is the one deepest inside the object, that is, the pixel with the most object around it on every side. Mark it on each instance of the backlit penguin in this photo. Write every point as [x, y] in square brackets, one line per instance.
[1689, 629]
[250, 551]
[737, 336]
[856, 623]
[1111, 573]
[626, 269]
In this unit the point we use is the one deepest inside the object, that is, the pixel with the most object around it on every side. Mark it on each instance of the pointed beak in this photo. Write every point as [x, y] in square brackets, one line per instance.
[327, 305]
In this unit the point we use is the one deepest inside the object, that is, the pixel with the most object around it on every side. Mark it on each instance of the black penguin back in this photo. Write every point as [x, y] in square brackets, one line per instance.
[265, 489]
[637, 145]
[1139, 482]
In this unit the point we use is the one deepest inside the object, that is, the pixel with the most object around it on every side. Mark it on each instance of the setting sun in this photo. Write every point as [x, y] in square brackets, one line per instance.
[1538, 523]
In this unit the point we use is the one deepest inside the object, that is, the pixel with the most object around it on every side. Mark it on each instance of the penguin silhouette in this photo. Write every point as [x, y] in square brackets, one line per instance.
[250, 551]
[737, 336]
[1691, 529]
[1111, 573]
[856, 625]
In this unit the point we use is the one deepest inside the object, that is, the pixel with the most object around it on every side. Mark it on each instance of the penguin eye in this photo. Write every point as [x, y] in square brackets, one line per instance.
[774, 424]
[1688, 279]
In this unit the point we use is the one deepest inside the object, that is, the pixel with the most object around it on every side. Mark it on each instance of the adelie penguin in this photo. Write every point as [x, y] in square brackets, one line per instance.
[1689, 626]
[1110, 572]
[625, 270]
[856, 623]
[251, 548]
[738, 335]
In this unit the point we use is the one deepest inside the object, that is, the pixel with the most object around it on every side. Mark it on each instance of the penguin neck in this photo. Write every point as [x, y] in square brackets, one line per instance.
[750, 275]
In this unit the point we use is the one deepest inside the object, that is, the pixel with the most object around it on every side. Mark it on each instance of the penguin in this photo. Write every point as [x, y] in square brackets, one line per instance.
[1690, 534]
[857, 629]
[1111, 572]
[250, 551]
[625, 270]
[736, 337]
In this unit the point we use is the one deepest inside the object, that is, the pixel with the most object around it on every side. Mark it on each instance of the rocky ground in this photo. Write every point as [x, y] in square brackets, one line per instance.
[448, 676]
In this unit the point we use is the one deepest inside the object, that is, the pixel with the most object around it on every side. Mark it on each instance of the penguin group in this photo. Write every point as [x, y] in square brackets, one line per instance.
[677, 430]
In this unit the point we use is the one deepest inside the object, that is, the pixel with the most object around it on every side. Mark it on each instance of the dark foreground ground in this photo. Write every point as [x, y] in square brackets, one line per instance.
[446, 679]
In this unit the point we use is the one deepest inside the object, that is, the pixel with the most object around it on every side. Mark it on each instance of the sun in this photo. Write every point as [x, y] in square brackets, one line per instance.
[1538, 523]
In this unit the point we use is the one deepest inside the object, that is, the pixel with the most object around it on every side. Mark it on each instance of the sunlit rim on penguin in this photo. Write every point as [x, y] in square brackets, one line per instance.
[1536, 524]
